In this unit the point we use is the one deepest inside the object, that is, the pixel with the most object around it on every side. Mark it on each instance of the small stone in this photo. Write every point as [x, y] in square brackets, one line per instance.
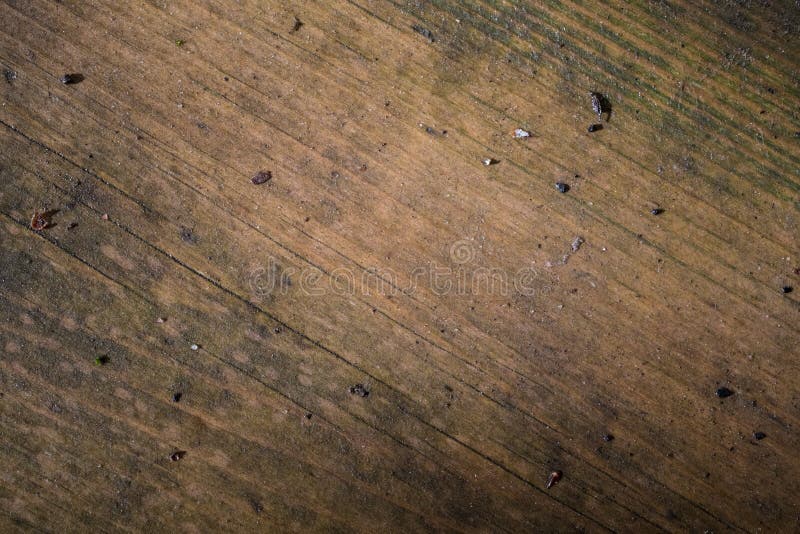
[656, 211]
[194, 346]
[759, 435]
[176, 397]
[261, 177]
[562, 187]
[553, 479]
[595, 128]
[519, 133]
[101, 360]
[177, 455]
[360, 390]
[160, 320]
[787, 289]
[39, 221]
[104, 216]
[490, 161]
[608, 437]
[723, 393]
[70, 79]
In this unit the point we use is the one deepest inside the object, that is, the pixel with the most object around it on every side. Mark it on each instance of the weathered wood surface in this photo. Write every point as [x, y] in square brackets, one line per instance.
[374, 118]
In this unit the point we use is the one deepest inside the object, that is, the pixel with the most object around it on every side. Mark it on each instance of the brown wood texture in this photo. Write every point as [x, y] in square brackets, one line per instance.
[501, 329]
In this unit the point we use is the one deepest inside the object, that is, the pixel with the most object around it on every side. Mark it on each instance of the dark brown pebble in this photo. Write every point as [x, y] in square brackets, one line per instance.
[608, 437]
[595, 128]
[39, 221]
[177, 455]
[562, 187]
[724, 392]
[759, 435]
[176, 397]
[787, 289]
[656, 211]
[360, 390]
[553, 479]
[69, 79]
[261, 177]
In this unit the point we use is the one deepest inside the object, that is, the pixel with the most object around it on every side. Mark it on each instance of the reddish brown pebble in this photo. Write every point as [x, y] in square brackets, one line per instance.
[553, 479]
[177, 455]
[104, 216]
[39, 221]
[261, 177]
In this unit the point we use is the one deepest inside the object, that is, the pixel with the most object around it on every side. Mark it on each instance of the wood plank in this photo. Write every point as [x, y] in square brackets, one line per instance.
[501, 328]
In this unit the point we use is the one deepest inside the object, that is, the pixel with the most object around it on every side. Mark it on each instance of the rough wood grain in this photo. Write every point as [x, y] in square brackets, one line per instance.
[495, 346]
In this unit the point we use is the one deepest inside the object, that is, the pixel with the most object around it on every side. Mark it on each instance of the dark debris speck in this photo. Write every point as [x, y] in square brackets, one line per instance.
[723, 393]
[595, 128]
[261, 177]
[562, 187]
[360, 390]
[426, 33]
[759, 435]
[608, 437]
[787, 289]
[188, 235]
[553, 479]
[176, 397]
[70, 79]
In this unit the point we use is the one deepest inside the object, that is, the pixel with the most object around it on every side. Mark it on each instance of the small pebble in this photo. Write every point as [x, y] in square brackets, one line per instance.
[101, 360]
[519, 133]
[724, 393]
[787, 289]
[490, 161]
[39, 221]
[656, 211]
[194, 346]
[608, 437]
[360, 390]
[177, 455]
[176, 397]
[104, 216]
[69, 79]
[553, 479]
[261, 177]
[161, 320]
[759, 435]
[595, 128]
[562, 187]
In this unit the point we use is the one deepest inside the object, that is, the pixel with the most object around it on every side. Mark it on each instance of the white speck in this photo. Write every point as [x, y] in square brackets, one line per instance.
[194, 346]
[519, 133]
[490, 161]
